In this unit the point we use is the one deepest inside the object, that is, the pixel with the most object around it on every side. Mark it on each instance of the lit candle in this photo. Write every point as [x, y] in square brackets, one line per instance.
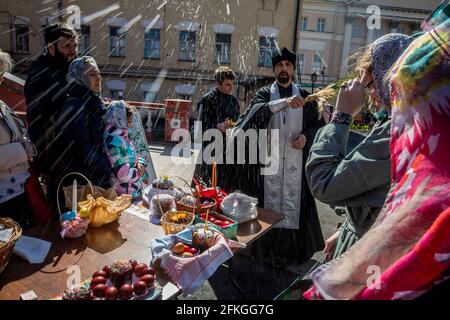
[74, 195]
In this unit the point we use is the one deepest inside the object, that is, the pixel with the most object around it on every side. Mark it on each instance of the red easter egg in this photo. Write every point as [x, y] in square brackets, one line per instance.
[111, 293]
[126, 291]
[140, 287]
[99, 290]
[140, 269]
[148, 279]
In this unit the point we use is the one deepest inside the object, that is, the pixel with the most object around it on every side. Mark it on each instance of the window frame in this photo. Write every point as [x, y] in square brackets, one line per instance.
[313, 62]
[119, 92]
[190, 47]
[302, 71]
[24, 37]
[118, 40]
[84, 40]
[223, 46]
[304, 24]
[321, 22]
[152, 47]
[267, 51]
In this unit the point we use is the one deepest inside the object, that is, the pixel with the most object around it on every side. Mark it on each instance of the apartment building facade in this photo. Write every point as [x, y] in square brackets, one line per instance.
[157, 49]
[332, 30]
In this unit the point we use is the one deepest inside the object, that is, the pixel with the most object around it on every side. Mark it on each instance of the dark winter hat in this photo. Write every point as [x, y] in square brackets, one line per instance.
[283, 54]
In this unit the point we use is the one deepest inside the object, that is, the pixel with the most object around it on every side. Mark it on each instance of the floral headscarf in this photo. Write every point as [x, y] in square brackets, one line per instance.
[76, 73]
[116, 115]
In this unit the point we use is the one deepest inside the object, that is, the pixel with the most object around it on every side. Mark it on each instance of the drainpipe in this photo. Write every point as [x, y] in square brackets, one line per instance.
[296, 26]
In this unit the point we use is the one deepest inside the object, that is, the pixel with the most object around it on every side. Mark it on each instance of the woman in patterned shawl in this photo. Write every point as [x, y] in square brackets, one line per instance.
[128, 170]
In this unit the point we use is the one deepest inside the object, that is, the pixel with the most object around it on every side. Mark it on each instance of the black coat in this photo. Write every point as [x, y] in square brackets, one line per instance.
[214, 108]
[257, 116]
[45, 94]
[80, 130]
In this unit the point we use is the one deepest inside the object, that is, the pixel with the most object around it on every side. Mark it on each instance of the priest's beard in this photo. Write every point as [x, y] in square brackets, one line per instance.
[284, 78]
[61, 61]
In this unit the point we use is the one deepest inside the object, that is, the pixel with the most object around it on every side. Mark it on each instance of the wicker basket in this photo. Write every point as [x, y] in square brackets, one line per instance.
[6, 248]
[170, 227]
[199, 208]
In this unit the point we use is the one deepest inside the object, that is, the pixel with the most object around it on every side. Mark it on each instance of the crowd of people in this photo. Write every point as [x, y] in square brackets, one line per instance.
[392, 187]
[70, 129]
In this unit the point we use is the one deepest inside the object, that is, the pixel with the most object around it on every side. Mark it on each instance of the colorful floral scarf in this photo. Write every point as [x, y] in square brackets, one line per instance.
[407, 251]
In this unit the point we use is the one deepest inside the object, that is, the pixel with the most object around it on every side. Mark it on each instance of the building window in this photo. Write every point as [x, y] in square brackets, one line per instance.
[152, 44]
[321, 25]
[21, 39]
[266, 48]
[42, 39]
[304, 24]
[187, 45]
[357, 30]
[149, 96]
[116, 42]
[185, 96]
[84, 40]
[223, 48]
[300, 63]
[317, 64]
[115, 94]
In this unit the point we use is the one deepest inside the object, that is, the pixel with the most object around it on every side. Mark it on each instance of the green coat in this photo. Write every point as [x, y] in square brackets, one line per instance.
[359, 180]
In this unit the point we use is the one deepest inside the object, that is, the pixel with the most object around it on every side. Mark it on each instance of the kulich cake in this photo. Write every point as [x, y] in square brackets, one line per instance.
[163, 183]
[120, 272]
[203, 238]
[77, 293]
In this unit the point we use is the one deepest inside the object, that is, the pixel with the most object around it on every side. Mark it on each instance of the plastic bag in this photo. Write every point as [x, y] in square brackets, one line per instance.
[84, 190]
[240, 207]
[103, 211]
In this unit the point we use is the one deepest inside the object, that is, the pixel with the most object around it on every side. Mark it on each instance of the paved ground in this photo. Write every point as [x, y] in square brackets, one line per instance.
[257, 281]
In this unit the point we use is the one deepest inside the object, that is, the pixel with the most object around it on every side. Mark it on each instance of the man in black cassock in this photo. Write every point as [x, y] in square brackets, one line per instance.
[281, 106]
[218, 109]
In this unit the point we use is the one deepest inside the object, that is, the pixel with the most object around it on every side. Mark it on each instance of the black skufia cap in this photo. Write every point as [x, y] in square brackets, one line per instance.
[283, 54]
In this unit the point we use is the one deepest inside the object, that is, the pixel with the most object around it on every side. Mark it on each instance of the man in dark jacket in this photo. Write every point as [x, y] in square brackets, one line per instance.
[218, 109]
[45, 92]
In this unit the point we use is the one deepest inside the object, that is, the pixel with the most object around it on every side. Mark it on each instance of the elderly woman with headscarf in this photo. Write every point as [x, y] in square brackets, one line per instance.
[359, 180]
[16, 150]
[81, 125]
[128, 170]
[406, 253]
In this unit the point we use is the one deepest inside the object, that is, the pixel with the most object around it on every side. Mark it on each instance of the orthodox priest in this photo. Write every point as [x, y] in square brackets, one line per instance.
[281, 106]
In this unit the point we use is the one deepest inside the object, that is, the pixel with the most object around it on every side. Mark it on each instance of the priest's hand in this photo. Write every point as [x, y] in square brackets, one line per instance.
[299, 143]
[350, 97]
[295, 102]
